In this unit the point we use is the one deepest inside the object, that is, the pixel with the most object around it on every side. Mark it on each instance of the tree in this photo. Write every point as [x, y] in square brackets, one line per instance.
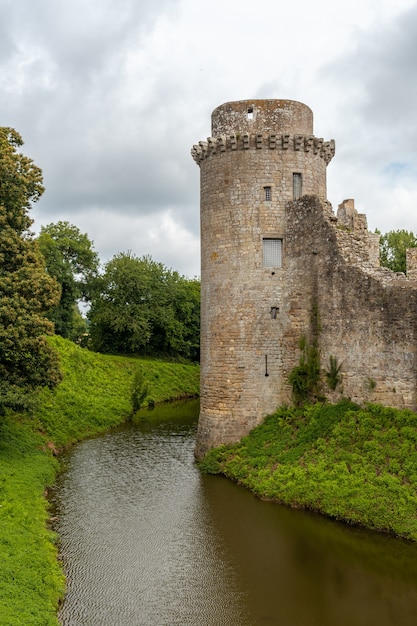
[144, 308]
[71, 259]
[26, 291]
[392, 249]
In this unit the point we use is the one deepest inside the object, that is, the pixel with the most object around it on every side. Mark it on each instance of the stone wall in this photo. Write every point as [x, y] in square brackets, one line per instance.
[368, 314]
[411, 257]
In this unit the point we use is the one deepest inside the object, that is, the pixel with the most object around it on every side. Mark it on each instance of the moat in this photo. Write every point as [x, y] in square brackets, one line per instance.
[147, 540]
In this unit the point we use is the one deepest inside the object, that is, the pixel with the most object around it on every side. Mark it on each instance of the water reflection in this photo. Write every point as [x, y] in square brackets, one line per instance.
[299, 569]
[148, 541]
[135, 539]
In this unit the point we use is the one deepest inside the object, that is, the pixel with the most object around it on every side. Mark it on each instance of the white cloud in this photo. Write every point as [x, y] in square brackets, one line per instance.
[158, 235]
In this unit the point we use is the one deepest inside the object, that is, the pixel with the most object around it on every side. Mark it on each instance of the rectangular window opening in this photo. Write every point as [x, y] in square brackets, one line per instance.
[297, 186]
[268, 193]
[250, 113]
[272, 252]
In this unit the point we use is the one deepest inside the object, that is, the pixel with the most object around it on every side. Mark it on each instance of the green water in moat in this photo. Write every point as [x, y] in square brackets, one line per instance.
[149, 541]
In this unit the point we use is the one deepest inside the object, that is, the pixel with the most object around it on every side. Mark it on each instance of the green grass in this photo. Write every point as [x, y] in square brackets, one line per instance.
[94, 396]
[96, 392]
[30, 578]
[351, 463]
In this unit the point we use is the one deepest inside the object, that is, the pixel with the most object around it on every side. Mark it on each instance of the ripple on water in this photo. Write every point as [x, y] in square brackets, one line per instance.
[137, 542]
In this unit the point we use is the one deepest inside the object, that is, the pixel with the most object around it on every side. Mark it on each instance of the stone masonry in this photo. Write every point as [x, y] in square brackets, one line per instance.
[271, 250]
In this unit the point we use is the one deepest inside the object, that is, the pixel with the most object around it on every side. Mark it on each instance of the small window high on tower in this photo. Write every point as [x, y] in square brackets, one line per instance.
[250, 113]
[297, 186]
[268, 193]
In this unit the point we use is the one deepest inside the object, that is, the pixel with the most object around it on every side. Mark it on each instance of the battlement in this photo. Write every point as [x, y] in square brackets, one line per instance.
[259, 141]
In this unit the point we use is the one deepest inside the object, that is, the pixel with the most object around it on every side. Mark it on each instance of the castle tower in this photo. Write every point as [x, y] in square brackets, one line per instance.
[261, 155]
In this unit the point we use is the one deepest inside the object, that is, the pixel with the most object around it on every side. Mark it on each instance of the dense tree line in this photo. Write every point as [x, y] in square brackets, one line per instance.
[138, 306]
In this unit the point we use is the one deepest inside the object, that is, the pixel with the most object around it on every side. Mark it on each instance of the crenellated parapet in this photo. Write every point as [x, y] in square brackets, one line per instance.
[259, 141]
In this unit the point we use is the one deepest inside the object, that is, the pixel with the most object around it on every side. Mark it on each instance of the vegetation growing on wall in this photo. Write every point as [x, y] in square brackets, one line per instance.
[305, 378]
[333, 375]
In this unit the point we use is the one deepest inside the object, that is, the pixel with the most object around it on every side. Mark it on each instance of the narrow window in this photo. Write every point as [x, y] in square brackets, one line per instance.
[274, 312]
[297, 186]
[250, 113]
[268, 195]
[272, 252]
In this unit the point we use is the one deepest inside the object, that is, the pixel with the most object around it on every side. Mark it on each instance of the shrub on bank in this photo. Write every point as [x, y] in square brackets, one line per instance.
[357, 464]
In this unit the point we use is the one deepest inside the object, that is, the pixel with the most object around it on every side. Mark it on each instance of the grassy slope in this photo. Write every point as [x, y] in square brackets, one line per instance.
[95, 395]
[354, 464]
[96, 391]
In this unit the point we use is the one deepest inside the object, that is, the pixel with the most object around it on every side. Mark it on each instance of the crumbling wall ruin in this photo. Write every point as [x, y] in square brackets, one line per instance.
[367, 314]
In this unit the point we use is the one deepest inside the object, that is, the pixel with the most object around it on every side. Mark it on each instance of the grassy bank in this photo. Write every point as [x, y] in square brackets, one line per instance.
[351, 463]
[94, 396]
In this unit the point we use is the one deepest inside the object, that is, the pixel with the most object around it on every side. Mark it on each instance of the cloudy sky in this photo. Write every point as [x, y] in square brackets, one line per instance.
[110, 96]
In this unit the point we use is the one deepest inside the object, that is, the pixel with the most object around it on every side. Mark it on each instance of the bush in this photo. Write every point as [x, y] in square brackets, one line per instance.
[357, 464]
[139, 389]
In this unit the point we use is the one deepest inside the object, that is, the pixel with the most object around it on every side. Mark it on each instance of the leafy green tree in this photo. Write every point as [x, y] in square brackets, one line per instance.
[176, 327]
[142, 307]
[72, 260]
[392, 249]
[26, 291]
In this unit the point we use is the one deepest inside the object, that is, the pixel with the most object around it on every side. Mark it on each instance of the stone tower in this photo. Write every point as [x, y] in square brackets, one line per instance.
[262, 154]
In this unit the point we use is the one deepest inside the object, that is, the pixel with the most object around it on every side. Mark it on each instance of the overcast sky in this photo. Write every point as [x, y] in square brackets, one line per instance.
[110, 96]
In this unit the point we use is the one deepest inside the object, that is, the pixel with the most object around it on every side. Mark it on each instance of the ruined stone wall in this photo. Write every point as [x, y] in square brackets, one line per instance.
[411, 259]
[368, 314]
